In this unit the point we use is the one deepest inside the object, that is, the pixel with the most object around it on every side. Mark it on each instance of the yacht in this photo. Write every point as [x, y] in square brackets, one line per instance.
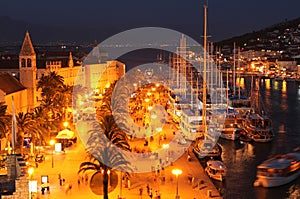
[205, 148]
[278, 170]
[216, 170]
[231, 132]
[258, 127]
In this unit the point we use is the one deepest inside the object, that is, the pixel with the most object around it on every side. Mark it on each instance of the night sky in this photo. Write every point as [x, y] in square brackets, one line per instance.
[226, 18]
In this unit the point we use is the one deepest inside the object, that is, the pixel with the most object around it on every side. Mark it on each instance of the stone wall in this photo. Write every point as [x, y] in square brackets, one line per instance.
[22, 189]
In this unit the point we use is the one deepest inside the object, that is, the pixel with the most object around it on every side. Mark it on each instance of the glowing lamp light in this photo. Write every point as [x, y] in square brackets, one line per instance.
[176, 172]
[153, 116]
[52, 142]
[30, 170]
[66, 124]
[159, 129]
[165, 146]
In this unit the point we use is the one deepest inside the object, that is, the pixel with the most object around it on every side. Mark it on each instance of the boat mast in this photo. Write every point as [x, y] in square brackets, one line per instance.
[204, 72]
[239, 74]
[234, 69]
[227, 89]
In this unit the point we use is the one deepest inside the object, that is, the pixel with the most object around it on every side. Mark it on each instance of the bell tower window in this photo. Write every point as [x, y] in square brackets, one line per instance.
[23, 64]
[28, 62]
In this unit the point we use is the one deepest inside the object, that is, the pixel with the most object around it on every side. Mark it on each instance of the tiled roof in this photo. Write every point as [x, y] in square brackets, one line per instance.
[9, 84]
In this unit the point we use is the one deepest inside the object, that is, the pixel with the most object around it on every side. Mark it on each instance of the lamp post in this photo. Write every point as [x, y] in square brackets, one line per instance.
[30, 172]
[52, 142]
[177, 172]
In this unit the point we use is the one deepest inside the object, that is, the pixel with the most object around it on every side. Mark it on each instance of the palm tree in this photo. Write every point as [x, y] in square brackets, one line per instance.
[56, 97]
[50, 84]
[5, 122]
[103, 158]
[42, 121]
[106, 139]
[108, 127]
[27, 126]
[62, 99]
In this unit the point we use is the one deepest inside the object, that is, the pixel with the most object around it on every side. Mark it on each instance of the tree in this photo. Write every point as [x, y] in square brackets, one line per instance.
[104, 155]
[5, 120]
[27, 126]
[56, 97]
[41, 118]
[50, 84]
[106, 139]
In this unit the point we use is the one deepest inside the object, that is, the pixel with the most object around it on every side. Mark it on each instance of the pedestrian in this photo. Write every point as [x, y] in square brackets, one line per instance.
[68, 188]
[86, 179]
[43, 190]
[78, 182]
[157, 194]
[148, 189]
[150, 193]
[141, 191]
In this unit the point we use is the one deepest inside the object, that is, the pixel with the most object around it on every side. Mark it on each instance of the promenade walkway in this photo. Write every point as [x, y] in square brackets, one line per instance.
[193, 183]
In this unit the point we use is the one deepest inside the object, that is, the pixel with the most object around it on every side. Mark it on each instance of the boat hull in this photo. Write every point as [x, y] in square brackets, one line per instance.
[262, 140]
[214, 152]
[231, 134]
[266, 181]
[259, 135]
[215, 177]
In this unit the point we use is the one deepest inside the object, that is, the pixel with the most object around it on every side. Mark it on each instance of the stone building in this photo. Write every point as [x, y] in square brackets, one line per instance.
[29, 66]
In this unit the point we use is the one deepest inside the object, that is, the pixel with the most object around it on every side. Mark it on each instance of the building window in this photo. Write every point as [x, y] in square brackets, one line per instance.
[23, 64]
[28, 62]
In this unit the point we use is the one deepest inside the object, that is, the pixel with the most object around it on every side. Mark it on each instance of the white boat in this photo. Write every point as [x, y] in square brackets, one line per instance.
[207, 149]
[279, 170]
[216, 169]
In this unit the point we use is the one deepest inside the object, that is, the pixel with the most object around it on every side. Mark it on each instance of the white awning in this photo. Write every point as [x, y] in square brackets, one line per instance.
[65, 134]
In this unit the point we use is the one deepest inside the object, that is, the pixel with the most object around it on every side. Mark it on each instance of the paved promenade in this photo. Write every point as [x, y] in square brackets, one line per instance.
[67, 164]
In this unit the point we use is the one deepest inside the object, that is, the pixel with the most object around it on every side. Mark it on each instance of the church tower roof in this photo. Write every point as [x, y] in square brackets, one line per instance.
[27, 47]
[70, 61]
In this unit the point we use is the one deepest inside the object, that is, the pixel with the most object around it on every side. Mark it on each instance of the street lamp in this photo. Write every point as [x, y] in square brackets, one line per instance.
[30, 172]
[52, 142]
[66, 124]
[177, 172]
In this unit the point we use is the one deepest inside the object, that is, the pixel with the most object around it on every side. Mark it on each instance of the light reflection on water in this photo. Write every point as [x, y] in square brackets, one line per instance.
[282, 103]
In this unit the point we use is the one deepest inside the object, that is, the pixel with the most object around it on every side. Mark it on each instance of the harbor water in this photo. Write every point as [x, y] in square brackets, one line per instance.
[281, 101]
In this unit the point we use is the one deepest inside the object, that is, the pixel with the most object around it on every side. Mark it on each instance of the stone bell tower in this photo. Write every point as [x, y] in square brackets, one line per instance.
[27, 66]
